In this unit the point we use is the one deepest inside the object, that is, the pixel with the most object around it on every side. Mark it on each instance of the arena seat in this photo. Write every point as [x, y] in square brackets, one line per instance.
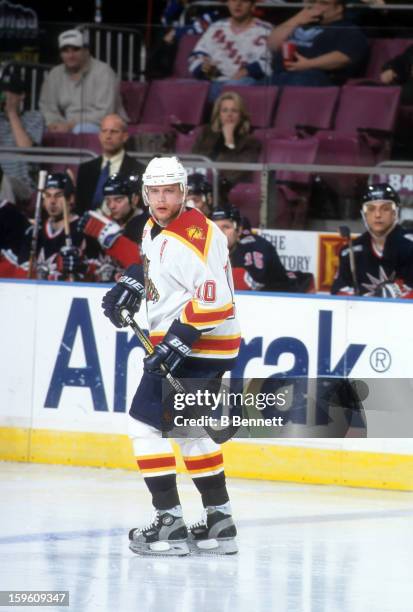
[381, 51]
[363, 131]
[292, 188]
[304, 110]
[169, 102]
[259, 102]
[185, 46]
[133, 96]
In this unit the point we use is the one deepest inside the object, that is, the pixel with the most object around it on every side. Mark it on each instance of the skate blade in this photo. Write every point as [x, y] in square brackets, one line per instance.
[178, 548]
[223, 546]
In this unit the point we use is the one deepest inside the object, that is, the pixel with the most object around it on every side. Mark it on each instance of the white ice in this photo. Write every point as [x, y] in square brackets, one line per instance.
[303, 548]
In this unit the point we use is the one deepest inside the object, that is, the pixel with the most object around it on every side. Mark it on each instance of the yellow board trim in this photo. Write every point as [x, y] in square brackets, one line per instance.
[242, 460]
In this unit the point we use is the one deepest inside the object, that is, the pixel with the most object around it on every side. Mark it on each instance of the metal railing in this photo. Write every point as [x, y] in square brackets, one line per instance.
[61, 155]
[120, 47]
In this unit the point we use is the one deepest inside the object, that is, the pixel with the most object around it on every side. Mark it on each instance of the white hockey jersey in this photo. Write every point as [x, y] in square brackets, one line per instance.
[188, 277]
[230, 50]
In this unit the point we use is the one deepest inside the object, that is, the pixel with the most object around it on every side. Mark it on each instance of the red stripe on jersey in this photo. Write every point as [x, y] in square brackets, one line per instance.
[207, 317]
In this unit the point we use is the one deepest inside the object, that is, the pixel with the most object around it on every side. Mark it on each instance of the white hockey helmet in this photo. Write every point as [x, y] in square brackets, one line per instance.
[164, 171]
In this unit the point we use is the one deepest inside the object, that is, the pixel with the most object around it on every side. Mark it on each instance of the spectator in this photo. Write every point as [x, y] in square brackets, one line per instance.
[234, 50]
[227, 139]
[55, 261]
[116, 229]
[18, 129]
[399, 71]
[78, 93]
[317, 47]
[13, 225]
[255, 262]
[162, 57]
[92, 175]
[380, 262]
[199, 193]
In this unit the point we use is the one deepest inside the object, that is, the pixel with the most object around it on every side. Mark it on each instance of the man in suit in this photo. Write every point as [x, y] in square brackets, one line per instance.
[92, 175]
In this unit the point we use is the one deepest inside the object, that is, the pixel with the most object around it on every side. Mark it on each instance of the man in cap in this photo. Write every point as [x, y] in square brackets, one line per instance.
[80, 91]
[379, 262]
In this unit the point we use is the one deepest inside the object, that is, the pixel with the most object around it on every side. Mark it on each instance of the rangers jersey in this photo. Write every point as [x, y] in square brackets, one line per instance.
[188, 277]
[230, 50]
[376, 270]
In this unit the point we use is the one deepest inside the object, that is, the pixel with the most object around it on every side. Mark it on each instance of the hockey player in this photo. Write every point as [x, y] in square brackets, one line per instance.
[199, 193]
[383, 255]
[255, 261]
[191, 316]
[118, 226]
[55, 260]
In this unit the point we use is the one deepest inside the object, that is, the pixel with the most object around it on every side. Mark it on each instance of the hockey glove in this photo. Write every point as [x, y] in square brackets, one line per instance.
[174, 348]
[127, 294]
[71, 261]
[100, 227]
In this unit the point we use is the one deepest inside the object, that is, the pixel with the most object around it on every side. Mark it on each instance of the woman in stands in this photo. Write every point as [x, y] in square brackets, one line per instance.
[227, 138]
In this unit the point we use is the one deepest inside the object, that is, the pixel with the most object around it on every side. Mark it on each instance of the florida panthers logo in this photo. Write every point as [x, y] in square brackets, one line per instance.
[152, 294]
[195, 233]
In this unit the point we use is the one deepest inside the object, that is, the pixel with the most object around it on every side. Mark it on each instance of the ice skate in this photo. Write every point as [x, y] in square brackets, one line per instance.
[214, 534]
[166, 535]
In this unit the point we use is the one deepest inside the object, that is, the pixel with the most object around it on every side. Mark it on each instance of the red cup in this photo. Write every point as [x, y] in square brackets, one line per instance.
[288, 51]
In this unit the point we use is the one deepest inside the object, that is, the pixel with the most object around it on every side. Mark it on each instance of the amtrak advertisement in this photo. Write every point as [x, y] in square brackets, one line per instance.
[331, 367]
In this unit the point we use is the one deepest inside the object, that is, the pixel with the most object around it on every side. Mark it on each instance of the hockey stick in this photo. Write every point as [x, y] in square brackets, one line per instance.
[36, 225]
[218, 436]
[66, 225]
[346, 233]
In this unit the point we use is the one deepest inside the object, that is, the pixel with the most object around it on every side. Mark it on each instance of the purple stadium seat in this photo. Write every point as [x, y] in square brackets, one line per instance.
[259, 102]
[382, 50]
[169, 102]
[57, 139]
[87, 141]
[293, 188]
[364, 125]
[185, 142]
[310, 107]
[185, 46]
[133, 96]
[247, 197]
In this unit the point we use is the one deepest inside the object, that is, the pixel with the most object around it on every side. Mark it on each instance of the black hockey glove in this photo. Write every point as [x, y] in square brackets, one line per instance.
[72, 260]
[174, 348]
[127, 294]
